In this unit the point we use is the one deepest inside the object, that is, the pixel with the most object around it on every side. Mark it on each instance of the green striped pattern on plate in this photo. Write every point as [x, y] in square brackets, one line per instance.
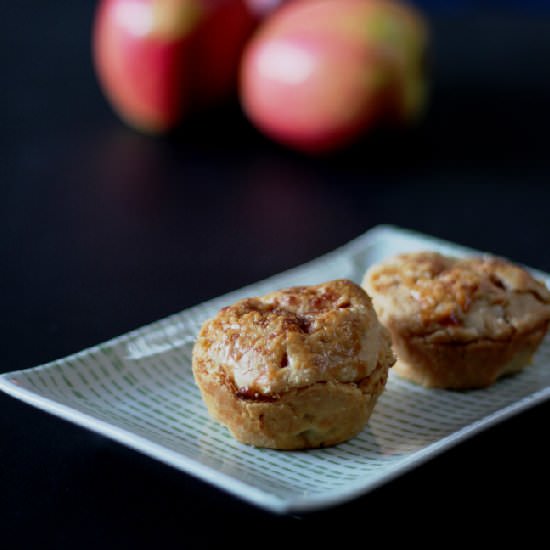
[139, 389]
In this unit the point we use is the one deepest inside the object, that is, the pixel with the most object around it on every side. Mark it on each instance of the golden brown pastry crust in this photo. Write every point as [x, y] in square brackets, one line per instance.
[298, 368]
[458, 323]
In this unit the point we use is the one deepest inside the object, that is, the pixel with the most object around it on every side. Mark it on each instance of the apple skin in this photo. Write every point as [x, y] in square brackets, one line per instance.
[265, 7]
[311, 94]
[403, 34]
[319, 73]
[158, 60]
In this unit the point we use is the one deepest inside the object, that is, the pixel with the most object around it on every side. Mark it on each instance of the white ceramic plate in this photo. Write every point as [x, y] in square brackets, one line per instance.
[138, 389]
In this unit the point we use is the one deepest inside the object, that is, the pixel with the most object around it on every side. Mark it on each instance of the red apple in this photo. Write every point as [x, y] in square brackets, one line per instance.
[159, 59]
[321, 72]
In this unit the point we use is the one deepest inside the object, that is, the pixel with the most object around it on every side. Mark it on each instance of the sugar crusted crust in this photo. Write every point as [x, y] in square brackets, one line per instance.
[459, 322]
[297, 368]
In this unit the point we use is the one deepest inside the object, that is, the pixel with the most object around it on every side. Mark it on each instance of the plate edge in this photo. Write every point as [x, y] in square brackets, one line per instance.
[427, 453]
[237, 488]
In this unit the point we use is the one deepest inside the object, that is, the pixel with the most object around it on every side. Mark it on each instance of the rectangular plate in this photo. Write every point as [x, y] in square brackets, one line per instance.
[138, 389]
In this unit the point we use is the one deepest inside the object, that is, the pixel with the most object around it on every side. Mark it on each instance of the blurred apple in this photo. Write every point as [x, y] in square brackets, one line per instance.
[157, 60]
[402, 34]
[319, 73]
[265, 7]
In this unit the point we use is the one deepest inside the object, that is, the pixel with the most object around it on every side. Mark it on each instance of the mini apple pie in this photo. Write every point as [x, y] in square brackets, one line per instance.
[458, 322]
[298, 368]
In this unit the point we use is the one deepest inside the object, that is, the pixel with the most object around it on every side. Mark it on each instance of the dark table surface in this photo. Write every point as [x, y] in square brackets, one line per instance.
[104, 230]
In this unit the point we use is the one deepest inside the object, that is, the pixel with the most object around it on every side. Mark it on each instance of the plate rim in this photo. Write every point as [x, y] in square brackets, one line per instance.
[248, 492]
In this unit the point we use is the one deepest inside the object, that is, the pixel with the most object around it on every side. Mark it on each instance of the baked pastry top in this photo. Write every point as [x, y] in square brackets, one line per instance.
[458, 322]
[295, 337]
[300, 367]
[462, 299]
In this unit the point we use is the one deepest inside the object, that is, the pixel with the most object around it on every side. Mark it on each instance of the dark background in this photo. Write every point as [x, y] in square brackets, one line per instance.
[104, 230]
